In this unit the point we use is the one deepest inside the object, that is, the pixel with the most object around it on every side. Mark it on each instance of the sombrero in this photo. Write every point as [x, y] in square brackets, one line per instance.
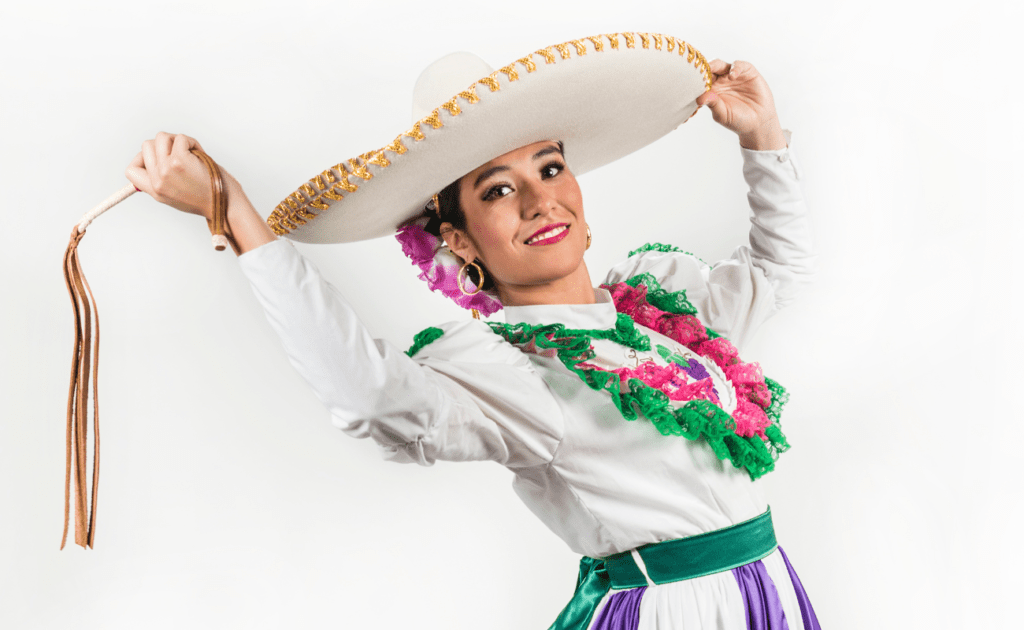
[603, 96]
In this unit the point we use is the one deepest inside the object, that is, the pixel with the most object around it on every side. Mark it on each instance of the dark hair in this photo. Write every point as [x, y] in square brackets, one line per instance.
[450, 211]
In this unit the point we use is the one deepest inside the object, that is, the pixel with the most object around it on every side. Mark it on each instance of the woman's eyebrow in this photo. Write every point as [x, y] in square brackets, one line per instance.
[547, 150]
[488, 173]
[498, 169]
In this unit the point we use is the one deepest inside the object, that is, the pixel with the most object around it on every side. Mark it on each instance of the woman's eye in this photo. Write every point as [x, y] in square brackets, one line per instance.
[497, 191]
[551, 170]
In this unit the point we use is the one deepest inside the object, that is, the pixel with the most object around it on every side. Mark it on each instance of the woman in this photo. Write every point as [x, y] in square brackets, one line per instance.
[674, 529]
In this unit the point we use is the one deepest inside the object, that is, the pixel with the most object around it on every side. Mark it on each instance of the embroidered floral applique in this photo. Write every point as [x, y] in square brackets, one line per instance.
[691, 365]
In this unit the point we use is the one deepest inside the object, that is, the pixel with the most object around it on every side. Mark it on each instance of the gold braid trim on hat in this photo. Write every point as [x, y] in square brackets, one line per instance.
[335, 182]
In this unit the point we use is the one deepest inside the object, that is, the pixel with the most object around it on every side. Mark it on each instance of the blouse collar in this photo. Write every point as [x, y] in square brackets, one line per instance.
[601, 315]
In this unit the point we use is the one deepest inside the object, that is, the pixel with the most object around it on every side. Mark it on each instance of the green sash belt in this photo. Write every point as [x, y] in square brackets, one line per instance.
[669, 561]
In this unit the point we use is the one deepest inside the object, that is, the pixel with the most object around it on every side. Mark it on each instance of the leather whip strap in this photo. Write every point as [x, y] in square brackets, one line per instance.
[219, 224]
[85, 364]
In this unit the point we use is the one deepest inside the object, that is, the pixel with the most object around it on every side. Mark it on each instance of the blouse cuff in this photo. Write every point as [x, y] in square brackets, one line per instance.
[255, 259]
[774, 158]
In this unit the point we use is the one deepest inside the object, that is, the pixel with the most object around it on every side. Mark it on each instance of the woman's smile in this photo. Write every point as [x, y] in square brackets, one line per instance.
[549, 235]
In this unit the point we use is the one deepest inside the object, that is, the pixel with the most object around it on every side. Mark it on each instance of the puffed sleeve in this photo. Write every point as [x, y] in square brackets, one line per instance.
[735, 296]
[467, 396]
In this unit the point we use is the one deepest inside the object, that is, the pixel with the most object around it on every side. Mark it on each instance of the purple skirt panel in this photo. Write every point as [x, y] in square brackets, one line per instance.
[760, 598]
[806, 610]
[622, 611]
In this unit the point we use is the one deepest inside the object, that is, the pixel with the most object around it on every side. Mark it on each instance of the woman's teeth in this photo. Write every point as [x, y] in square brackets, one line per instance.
[548, 234]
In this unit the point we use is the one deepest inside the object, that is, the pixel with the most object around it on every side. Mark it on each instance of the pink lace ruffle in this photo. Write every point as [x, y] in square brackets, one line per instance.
[669, 379]
[753, 395]
[440, 268]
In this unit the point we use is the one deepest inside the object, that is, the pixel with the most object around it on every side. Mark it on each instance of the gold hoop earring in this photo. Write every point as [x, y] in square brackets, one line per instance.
[588, 237]
[464, 269]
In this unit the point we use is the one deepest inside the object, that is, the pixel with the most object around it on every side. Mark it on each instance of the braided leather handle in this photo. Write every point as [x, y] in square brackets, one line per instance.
[86, 356]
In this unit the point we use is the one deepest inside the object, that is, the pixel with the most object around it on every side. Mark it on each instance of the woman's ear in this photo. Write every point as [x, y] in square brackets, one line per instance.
[458, 241]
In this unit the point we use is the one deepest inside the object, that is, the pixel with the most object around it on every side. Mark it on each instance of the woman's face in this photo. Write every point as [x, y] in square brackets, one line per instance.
[524, 218]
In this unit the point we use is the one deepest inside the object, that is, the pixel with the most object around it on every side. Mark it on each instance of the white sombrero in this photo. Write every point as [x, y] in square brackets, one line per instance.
[603, 97]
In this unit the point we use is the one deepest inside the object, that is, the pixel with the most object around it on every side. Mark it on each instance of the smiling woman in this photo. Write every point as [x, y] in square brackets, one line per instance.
[523, 220]
[634, 430]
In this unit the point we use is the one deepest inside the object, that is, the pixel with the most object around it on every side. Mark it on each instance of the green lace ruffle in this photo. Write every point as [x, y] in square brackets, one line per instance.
[779, 399]
[424, 337]
[694, 419]
[657, 297]
[660, 247]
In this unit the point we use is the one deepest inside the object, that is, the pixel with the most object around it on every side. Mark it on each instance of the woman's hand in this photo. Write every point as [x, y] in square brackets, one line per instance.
[741, 101]
[167, 170]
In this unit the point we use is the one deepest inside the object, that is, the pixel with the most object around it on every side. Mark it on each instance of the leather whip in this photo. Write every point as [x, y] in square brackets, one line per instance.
[86, 356]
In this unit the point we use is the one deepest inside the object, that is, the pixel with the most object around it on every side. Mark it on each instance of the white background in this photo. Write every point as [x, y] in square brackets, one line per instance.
[228, 500]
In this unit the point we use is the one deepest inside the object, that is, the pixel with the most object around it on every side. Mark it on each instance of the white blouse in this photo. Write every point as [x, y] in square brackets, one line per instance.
[600, 482]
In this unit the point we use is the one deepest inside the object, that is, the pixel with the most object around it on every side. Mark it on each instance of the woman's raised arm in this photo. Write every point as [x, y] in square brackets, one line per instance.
[476, 398]
[736, 295]
[467, 396]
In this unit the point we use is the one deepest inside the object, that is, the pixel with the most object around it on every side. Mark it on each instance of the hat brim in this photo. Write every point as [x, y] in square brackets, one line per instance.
[603, 97]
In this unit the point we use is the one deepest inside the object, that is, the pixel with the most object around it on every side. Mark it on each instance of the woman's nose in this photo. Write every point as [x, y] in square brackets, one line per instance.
[536, 200]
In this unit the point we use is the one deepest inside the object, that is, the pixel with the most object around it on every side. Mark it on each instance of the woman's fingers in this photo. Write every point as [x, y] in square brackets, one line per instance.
[723, 72]
[137, 161]
[167, 171]
[719, 67]
[732, 71]
[742, 68]
[163, 143]
[136, 173]
[189, 142]
[168, 165]
[152, 167]
[183, 146]
[739, 98]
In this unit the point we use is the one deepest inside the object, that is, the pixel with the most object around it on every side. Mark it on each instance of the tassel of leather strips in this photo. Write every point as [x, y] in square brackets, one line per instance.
[86, 356]
[84, 368]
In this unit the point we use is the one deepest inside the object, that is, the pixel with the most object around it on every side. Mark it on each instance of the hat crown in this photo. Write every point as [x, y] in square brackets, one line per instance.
[445, 78]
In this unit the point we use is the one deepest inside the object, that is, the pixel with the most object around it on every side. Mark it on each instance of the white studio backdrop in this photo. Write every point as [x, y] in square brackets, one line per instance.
[226, 497]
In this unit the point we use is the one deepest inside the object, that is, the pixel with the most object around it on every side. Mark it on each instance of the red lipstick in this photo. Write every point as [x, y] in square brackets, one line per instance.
[561, 230]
